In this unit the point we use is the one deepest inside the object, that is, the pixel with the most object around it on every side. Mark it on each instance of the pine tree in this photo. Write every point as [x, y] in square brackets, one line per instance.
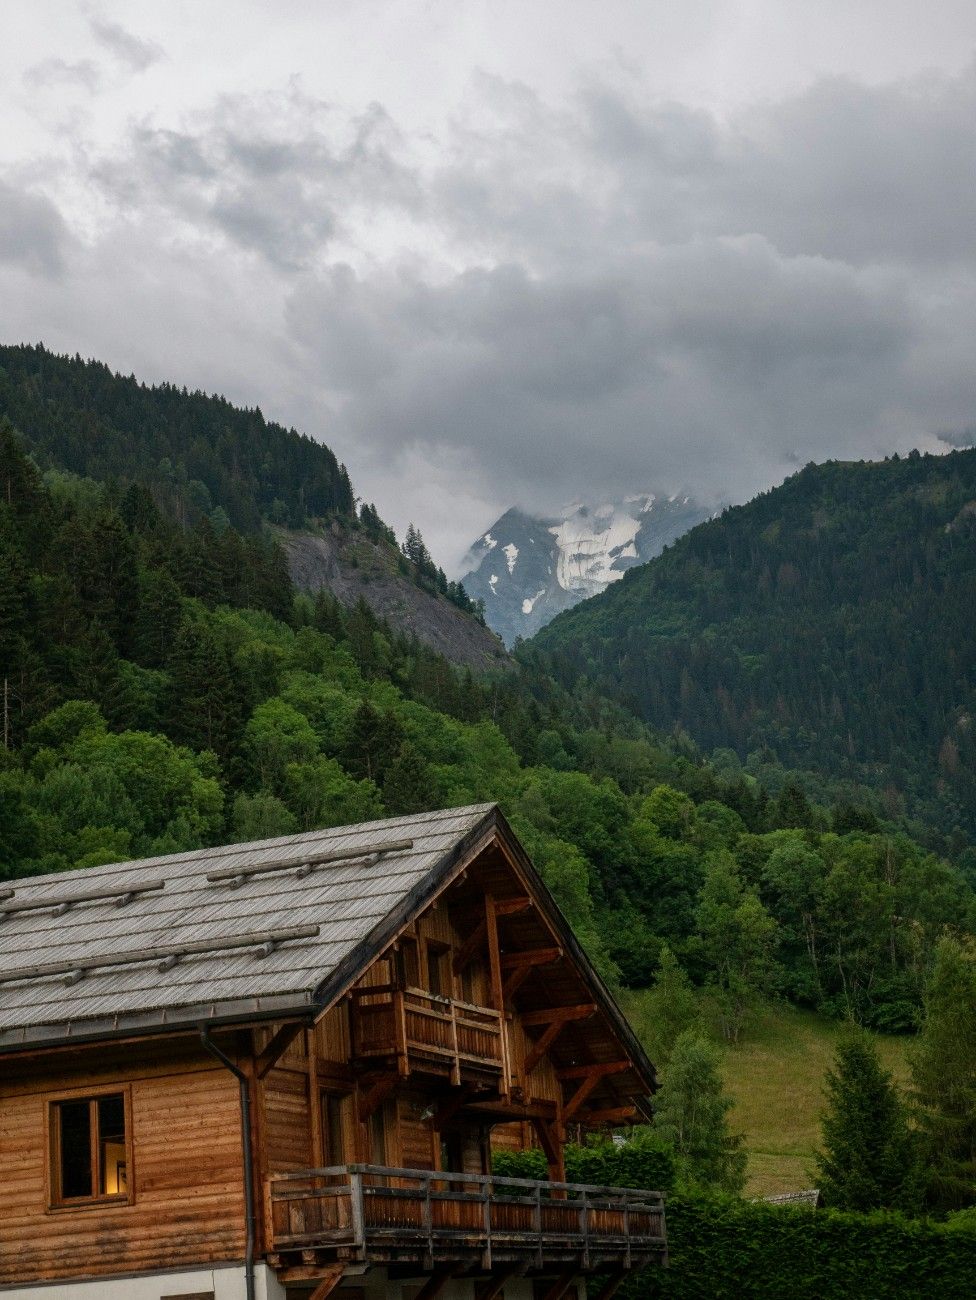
[944, 1076]
[869, 1158]
[691, 1113]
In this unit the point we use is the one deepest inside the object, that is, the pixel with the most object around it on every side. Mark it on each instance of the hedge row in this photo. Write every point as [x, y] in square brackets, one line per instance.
[723, 1247]
[727, 1248]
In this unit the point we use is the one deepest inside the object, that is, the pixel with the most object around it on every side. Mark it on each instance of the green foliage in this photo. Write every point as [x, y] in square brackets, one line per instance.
[669, 1009]
[722, 1247]
[737, 937]
[195, 452]
[869, 1159]
[944, 1076]
[691, 1114]
[301, 714]
[823, 627]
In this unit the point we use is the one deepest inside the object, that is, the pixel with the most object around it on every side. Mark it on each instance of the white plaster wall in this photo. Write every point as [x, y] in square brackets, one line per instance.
[225, 1283]
[228, 1284]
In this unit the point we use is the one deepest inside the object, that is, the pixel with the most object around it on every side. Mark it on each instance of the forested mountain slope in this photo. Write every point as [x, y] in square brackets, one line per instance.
[208, 464]
[827, 625]
[164, 688]
[195, 451]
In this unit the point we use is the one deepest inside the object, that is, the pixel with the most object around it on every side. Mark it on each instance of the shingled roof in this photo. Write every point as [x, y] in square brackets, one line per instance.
[270, 930]
[180, 947]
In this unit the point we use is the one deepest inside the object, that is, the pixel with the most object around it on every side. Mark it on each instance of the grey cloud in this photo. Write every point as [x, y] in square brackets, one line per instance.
[58, 72]
[958, 438]
[863, 174]
[617, 294]
[33, 234]
[710, 363]
[136, 53]
[275, 175]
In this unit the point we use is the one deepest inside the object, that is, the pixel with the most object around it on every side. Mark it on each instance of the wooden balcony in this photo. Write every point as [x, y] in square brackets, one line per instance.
[422, 1031]
[411, 1217]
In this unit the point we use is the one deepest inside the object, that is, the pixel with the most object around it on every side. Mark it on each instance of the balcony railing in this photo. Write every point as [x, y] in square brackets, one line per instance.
[375, 1214]
[422, 1029]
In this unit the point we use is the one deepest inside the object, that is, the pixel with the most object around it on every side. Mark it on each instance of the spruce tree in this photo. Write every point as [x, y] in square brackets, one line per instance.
[869, 1157]
[410, 783]
[205, 707]
[944, 1076]
[691, 1112]
[373, 741]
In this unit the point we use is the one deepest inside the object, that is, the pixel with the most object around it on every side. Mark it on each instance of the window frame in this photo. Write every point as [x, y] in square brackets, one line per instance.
[56, 1203]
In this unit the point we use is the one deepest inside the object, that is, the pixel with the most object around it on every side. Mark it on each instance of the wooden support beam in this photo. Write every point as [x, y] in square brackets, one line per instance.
[551, 1146]
[493, 1288]
[375, 1095]
[512, 906]
[542, 1045]
[451, 1106]
[510, 1110]
[531, 957]
[550, 1015]
[608, 1115]
[314, 1099]
[579, 1096]
[562, 1283]
[515, 981]
[494, 954]
[328, 1283]
[279, 1044]
[611, 1285]
[596, 1070]
[436, 1283]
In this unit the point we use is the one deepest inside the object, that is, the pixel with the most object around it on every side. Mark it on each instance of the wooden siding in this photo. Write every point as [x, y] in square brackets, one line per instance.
[186, 1177]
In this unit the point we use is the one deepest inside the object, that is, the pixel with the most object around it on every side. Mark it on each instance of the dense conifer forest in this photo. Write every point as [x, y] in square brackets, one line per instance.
[164, 688]
[826, 626]
[197, 453]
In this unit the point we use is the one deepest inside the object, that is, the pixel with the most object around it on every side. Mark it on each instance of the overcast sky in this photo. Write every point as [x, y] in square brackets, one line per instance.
[510, 251]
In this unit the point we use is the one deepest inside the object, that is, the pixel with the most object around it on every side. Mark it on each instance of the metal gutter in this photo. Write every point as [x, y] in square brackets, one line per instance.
[249, 1216]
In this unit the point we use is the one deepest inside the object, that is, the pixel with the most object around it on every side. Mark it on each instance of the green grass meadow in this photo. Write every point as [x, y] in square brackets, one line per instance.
[775, 1076]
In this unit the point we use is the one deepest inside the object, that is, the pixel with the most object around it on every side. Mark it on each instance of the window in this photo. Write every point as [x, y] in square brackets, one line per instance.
[333, 1131]
[89, 1147]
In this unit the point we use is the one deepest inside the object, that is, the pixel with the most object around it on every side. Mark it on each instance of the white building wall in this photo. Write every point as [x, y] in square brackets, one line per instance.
[225, 1283]
[228, 1284]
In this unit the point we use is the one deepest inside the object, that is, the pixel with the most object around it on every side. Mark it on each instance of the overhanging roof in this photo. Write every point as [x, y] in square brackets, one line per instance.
[195, 945]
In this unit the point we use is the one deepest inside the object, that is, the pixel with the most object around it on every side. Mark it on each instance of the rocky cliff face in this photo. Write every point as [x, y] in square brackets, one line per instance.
[528, 569]
[351, 565]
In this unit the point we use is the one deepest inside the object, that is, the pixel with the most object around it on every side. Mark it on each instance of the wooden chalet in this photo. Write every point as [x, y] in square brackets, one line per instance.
[280, 1068]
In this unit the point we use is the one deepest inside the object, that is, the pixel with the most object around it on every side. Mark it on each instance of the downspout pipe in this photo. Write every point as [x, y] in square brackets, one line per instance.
[249, 1216]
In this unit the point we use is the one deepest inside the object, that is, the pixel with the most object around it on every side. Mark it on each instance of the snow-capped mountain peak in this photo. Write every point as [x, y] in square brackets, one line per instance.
[527, 569]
